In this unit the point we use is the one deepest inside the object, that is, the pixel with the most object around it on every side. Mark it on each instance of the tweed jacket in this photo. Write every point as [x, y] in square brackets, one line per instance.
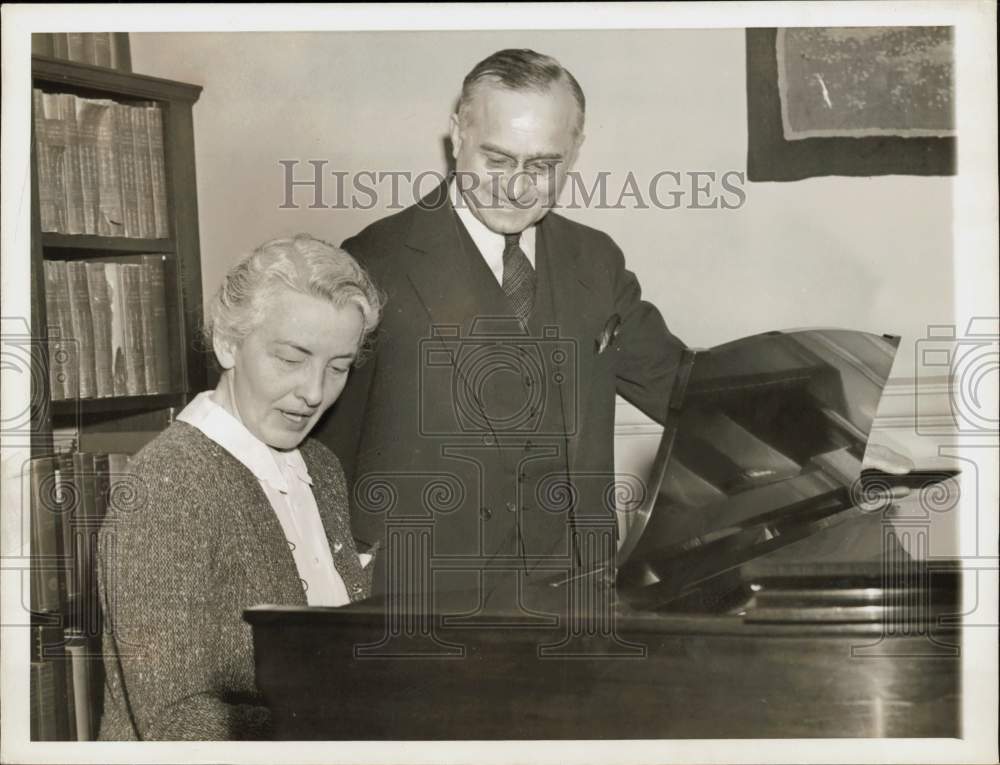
[194, 542]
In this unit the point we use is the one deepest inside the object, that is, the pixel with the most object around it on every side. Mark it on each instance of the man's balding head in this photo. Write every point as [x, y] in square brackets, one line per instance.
[520, 69]
[515, 136]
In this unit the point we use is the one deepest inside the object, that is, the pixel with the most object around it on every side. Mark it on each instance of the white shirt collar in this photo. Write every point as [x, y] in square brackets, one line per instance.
[267, 464]
[490, 244]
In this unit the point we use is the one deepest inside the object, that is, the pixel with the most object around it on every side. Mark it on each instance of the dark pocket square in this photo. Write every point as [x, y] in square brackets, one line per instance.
[608, 334]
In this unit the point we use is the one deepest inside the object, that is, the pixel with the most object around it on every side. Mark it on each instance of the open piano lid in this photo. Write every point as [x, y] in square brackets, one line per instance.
[760, 456]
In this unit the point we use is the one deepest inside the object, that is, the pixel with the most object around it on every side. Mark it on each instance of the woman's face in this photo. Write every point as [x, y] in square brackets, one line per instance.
[286, 373]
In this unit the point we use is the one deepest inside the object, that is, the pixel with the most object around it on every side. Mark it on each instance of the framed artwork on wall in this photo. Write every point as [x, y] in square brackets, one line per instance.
[853, 101]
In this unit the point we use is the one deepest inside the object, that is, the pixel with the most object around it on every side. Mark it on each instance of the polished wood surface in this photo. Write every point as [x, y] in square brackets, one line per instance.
[828, 658]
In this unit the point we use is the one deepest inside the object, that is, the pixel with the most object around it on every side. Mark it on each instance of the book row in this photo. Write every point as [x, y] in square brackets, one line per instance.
[109, 49]
[67, 679]
[107, 328]
[70, 497]
[101, 166]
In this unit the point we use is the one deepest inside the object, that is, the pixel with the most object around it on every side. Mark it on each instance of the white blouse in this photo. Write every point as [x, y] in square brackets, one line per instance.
[286, 483]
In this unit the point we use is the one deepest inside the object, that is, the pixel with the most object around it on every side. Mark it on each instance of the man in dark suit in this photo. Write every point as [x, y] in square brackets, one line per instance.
[482, 430]
[487, 410]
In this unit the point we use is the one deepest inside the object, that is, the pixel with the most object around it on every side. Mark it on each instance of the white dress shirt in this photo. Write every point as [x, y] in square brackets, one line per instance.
[286, 483]
[491, 244]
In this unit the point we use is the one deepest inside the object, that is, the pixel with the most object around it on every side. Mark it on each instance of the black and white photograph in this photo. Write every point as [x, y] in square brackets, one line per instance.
[500, 383]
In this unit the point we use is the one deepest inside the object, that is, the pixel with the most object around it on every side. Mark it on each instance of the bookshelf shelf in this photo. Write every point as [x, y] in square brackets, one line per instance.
[123, 404]
[59, 73]
[114, 152]
[85, 242]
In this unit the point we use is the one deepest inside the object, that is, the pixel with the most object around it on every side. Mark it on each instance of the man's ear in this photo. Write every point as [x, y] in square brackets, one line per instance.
[577, 143]
[225, 352]
[455, 131]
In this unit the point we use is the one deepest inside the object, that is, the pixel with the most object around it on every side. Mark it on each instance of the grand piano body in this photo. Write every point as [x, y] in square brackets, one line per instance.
[764, 588]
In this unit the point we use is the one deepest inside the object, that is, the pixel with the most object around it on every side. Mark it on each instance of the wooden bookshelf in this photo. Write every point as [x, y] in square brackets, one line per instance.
[110, 423]
[83, 407]
[86, 244]
[183, 290]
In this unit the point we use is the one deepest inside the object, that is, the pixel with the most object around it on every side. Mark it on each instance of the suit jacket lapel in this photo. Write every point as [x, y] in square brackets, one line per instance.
[573, 300]
[438, 270]
[443, 275]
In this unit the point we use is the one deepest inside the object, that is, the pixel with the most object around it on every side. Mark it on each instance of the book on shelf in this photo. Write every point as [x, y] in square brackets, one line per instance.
[82, 321]
[154, 313]
[71, 495]
[109, 332]
[72, 171]
[83, 564]
[57, 373]
[90, 113]
[131, 298]
[143, 172]
[125, 152]
[80, 678]
[63, 362]
[51, 138]
[86, 530]
[50, 701]
[48, 719]
[101, 166]
[158, 171]
[77, 48]
[48, 155]
[108, 49]
[48, 582]
[100, 307]
[69, 498]
[119, 373]
[111, 214]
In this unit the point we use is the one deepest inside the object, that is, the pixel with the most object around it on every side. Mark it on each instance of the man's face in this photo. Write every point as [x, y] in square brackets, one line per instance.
[513, 153]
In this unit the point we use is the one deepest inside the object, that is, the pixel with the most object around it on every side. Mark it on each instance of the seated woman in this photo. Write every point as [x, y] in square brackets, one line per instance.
[233, 504]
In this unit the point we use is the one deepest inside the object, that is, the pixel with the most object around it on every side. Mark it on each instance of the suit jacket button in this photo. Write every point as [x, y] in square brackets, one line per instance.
[511, 507]
[485, 513]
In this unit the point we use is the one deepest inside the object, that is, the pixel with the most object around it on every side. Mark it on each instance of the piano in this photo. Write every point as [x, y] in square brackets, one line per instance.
[765, 587]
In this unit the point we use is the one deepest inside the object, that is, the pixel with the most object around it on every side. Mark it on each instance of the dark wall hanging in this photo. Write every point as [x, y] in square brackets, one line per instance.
[856, 101]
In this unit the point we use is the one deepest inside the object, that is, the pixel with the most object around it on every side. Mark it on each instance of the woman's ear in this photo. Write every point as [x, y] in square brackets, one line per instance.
[225, 352]
[455, 131]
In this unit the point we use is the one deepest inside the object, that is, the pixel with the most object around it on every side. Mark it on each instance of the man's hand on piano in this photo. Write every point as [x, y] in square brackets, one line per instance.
[884, 459]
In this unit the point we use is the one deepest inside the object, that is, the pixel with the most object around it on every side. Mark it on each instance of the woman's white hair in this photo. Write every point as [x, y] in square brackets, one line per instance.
[302, 263]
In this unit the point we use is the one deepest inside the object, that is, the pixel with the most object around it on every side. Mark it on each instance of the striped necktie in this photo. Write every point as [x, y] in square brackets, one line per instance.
[518, 277]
